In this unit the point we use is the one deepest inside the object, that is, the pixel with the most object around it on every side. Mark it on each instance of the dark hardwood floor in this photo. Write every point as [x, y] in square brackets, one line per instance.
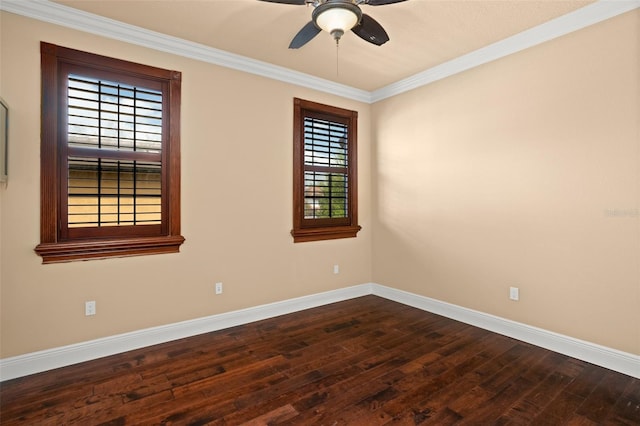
[366, 361]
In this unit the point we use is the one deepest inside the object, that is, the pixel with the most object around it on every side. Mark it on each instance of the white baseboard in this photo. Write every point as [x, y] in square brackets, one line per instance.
[36, 362]
[603, 356]
[49, 359]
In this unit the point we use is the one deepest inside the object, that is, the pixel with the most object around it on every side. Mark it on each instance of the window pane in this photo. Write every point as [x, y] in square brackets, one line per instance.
[325, 143]
[106, 114]
[113, 193]
[325, 195]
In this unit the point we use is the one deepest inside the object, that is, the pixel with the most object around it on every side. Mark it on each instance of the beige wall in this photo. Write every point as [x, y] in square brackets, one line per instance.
[523, 172]
[236, 207]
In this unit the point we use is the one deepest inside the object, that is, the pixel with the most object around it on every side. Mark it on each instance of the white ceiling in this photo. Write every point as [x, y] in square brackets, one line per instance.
[423, 33]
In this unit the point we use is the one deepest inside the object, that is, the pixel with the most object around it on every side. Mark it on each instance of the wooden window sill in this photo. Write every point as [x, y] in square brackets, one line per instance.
[327, 233]
[105, 248]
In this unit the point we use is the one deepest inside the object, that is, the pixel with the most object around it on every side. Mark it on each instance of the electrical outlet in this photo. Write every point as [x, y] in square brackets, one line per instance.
[218, 288]
[336, 269]
[90, 308]
[514, 293]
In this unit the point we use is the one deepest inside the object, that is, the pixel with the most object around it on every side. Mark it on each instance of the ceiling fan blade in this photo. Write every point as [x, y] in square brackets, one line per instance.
[305, 35]
[369, 30]
[382, 2]
[296, 2]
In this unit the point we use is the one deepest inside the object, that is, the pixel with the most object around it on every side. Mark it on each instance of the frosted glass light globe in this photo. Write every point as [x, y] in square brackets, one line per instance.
[337, 18]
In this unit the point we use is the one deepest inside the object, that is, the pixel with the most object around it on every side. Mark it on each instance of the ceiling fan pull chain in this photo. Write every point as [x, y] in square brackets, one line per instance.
[337, 58]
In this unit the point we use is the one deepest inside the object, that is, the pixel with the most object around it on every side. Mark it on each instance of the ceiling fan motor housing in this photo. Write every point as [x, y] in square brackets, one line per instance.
[336, 16]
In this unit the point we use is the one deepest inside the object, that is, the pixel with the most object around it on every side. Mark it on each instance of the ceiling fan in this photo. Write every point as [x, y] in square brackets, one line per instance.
[338, 16]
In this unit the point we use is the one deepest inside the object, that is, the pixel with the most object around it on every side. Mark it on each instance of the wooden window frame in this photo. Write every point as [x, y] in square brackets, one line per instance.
[56, 245]
[305, 229]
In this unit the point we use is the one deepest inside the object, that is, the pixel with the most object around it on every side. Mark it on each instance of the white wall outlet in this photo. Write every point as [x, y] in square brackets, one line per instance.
[90, 308]
[514, 293]
[336, 269]
[218, 288]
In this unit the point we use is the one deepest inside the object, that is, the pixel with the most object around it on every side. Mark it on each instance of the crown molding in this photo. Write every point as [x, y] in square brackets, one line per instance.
[65, 16]
[54, 13]
[565, 24]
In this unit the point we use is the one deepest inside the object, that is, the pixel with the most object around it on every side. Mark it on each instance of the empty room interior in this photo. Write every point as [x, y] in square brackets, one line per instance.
[493, 198]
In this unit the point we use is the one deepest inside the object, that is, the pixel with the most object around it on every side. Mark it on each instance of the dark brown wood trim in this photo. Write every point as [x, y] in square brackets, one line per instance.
[112, 232]
[298, 172]
[173, 155]
[103, 248]
[48, 149]
[327, 233]
[133, 69]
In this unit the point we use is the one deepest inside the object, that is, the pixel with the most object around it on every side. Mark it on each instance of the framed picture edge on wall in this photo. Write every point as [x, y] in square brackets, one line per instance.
[4, 140]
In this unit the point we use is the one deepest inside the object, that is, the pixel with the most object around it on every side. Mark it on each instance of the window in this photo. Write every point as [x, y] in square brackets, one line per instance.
[324, 172]
[110, 157]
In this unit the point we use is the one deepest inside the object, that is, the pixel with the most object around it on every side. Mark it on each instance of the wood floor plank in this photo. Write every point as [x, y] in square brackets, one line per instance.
[597, 406]
[534, 402]
[273, 417]
[627, 409]
[365, 361]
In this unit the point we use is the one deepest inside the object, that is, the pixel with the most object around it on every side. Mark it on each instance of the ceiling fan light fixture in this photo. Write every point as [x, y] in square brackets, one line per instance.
[336, 18]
